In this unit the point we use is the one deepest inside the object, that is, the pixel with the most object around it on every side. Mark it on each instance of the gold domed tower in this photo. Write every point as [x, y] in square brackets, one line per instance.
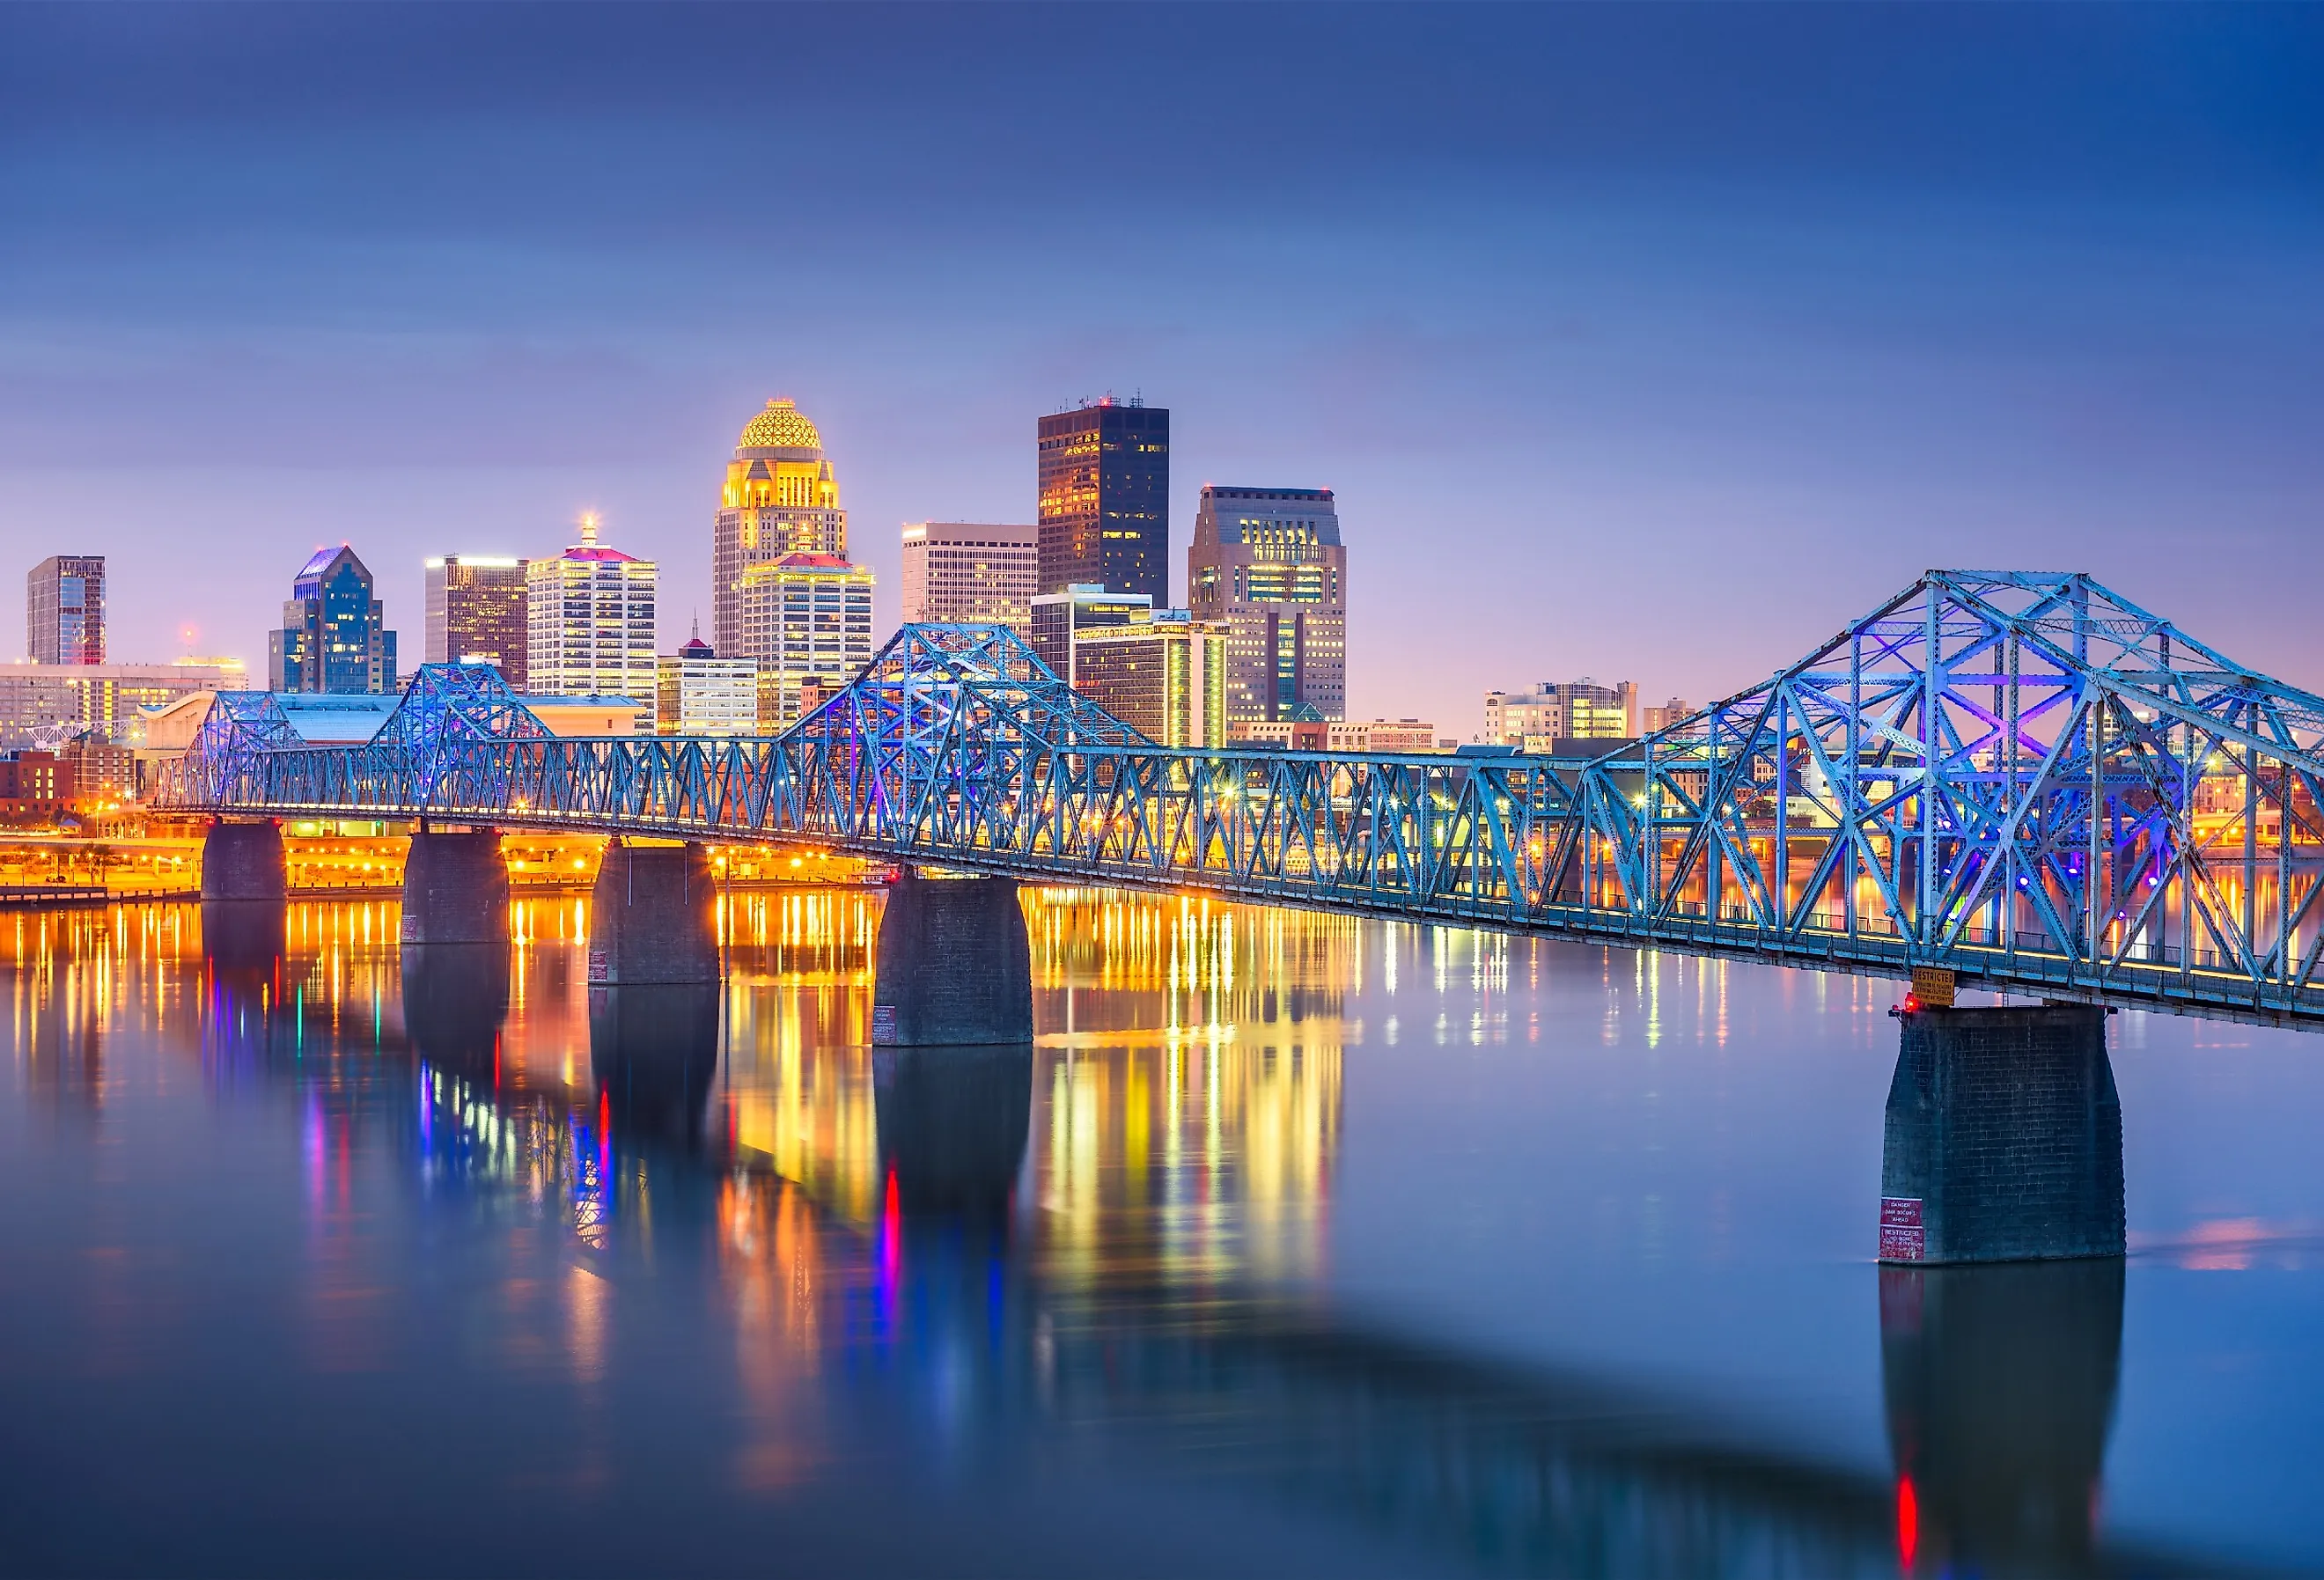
[781, 498]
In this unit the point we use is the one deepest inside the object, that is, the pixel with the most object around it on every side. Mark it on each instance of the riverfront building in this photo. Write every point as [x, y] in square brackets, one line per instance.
[698, 693]
[805, 622]
[334, 637]
[1105, 499]
[1562, 710]
[64, 610]
[53, 702]
[781, 498]
[477, 613]
[962, 571]
[589, 623]
[1164, 677]
[1061, 618]
[1270, 565]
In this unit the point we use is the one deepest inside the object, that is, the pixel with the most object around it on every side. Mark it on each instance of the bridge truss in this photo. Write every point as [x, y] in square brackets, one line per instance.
[2021, 776]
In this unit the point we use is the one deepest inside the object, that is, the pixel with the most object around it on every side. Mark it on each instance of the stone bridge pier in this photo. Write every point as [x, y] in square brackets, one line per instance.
[955, 969]
[653, 917]
[243, 861]
[456, 888]
[2004, 1137]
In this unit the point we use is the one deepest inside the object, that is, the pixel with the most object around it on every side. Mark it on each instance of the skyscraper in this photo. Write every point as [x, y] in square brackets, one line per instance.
[64, 600]
[960, 571]
[1269, 562]
[807, 620]
[589, 623]
[1164, 677]
[1105, 499]
[477, 613]
[781, 498]
[334, 636]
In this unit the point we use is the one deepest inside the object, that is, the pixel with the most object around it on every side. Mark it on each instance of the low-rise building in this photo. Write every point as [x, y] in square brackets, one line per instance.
[698, 693]
[1668, 714]
[1406, 735]
[1562, 710]
[33, 784]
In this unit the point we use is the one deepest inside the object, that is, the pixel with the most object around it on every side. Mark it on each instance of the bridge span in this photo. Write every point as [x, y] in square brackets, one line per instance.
[2022, 777]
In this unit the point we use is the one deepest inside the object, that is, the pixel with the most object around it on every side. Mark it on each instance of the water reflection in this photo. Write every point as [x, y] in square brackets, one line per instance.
[2000, 1387]
[712, 1229]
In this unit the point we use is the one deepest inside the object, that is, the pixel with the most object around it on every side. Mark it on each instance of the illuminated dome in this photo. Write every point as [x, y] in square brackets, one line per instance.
[780, 426]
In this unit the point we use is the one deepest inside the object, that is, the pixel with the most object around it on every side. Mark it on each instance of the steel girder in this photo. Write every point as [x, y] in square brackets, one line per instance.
[2018, 775]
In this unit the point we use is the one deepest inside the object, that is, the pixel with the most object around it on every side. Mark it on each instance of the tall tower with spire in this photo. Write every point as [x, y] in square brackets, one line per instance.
[589, 623]
[781, 498]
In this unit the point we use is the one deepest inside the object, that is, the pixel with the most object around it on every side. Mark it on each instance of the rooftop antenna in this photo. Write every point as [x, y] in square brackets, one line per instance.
[588, 528]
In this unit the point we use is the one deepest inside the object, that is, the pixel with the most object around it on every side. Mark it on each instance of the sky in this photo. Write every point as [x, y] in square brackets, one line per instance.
[1647, 343]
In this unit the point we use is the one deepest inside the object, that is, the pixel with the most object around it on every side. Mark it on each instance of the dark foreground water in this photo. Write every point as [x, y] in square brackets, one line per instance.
[1297, 1245]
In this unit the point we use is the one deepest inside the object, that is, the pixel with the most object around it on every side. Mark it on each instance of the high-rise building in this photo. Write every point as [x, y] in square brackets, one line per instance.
[1165, 678]
[1562, 710]
[965, 572]
[781, 498]
[589, 623]
[477, 613]
[1059, 618]
[1269, 562]
[698, 693]
[1105, 499]
[334, 636]
[806, 621]
[64, 600]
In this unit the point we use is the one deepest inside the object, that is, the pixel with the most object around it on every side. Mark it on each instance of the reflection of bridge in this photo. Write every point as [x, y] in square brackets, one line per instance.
[1999, 1383]
[2021, 777]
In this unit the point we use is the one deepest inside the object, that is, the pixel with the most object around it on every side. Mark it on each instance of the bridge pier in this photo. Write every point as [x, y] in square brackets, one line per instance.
[244, 861]
[2004, 1137]
[653, 917]
[456, 888]
[954, 966]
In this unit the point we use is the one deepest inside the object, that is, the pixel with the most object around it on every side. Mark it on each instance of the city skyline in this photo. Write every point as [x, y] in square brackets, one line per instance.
[1627, 354]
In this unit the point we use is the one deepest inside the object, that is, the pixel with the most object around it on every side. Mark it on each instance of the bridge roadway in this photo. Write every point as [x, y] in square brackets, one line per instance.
[2021, 777]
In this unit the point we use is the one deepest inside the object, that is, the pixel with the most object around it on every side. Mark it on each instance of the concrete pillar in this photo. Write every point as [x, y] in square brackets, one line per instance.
[954, 967]
[455, 998]
[2000, 1387]
[244, 861]
[455, 889]
[2004, 1137]
[653, 917]
[953, 1124]
[654, 1052]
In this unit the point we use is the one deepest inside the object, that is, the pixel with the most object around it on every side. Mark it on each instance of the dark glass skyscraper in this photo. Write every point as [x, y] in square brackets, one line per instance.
[65, 610]
[1105, 499]
[334, 635]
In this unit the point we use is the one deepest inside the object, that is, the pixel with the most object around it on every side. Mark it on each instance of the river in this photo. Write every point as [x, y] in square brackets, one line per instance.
[1297, 1244]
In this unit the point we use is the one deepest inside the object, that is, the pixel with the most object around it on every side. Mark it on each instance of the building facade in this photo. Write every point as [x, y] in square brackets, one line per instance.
[1405, 736]
[477, 612]
[1165, 677]
[334, 637]
[966, 572]
[1668, 714]
[1562, 710]
[51, 702]
[1105, 499]
[698, 693]
[589, 623]
[1268, 564]
[805, 622]
[64, 610]
[1059, 619]
[33, 784]
[781, 498]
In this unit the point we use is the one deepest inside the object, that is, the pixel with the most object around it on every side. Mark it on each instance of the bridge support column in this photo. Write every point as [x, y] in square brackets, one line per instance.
[244, 861]
[653, 917]
[954, 966]
[455, 889]
[2004, 1138]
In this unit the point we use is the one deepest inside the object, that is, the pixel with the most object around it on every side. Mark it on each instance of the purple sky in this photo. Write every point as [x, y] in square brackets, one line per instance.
[1647, 343]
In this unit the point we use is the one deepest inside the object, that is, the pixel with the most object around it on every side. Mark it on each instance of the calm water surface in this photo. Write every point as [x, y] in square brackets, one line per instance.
[1297, 1244]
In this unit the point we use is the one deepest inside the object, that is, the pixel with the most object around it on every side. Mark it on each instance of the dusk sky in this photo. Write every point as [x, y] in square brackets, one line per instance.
[1648, 343]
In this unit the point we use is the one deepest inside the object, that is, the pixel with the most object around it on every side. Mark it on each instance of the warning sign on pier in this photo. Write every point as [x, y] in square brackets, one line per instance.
[1902, 1236]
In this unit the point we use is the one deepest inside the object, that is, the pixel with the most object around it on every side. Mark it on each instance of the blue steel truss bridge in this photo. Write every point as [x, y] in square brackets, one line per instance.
[2019, 776]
